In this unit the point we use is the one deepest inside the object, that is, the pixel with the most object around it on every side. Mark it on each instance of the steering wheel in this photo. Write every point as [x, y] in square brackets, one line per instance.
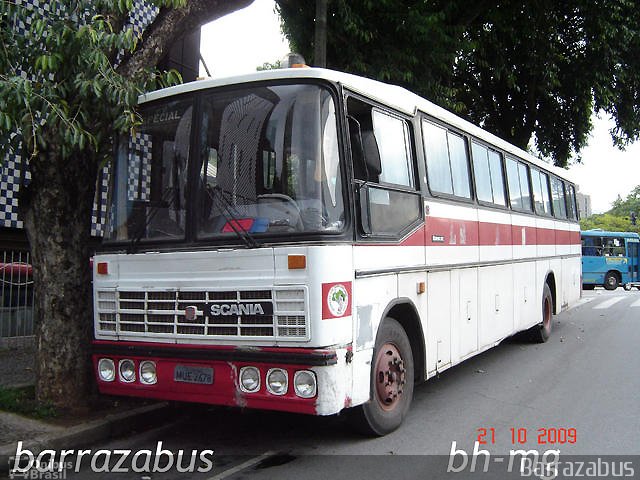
[285, 204]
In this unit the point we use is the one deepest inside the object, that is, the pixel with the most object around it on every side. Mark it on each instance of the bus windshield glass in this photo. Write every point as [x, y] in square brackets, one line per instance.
[270, 162]
[263, 162]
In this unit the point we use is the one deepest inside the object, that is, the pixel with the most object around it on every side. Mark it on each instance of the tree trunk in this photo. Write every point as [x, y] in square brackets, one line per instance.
[320, 40]
[57, 217]
[170, 25]
[56, 210]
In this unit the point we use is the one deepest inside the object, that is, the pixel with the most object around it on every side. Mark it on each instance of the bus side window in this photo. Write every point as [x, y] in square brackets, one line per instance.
[544, 181]
[364, 147]
[380, 146]
[541, 196]
[382, 158]
[392, 138]
[523, 173]
[447, 161]
[559, 201]
[591, 246]
[487, 167]
[572, 211]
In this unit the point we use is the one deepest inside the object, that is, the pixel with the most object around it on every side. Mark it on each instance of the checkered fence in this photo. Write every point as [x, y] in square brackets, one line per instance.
[15, 169]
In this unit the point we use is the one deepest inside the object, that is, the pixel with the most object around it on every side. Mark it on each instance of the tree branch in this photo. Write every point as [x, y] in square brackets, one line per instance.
[169, 26]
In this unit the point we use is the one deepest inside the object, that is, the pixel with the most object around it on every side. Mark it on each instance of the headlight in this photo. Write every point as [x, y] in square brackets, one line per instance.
[106, 370]
[127, 371]
[148, 374]
[249, 379]
[304, 383]
[277, 381]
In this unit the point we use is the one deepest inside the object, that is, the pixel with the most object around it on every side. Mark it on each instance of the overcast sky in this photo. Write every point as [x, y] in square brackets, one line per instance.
[241, 41]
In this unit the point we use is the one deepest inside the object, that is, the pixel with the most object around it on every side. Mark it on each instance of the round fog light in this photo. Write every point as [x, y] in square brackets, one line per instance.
[249, 379]
[304, 383]
[148, 374]
[106, 370]
[127, 371]
[277, 381]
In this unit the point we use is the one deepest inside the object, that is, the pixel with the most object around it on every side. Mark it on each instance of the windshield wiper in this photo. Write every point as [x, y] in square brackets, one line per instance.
[231, 215]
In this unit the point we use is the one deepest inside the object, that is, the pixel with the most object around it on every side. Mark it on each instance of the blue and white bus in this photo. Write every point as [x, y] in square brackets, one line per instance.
[610, 259]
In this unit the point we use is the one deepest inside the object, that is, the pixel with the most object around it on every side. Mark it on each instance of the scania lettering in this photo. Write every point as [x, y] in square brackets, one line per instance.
[310, 241]
[233, 309]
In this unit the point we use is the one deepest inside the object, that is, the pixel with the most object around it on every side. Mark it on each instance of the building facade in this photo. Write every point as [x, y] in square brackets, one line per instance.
[584, 205]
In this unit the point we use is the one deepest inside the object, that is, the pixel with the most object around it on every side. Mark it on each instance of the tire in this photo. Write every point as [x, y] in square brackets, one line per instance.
[611, 281]
[541, 332]
[392, 379]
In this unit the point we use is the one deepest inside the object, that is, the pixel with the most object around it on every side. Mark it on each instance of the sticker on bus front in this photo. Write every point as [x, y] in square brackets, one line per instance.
[337, 300]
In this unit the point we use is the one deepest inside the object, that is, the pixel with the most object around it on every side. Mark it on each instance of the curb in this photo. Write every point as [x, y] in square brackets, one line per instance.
[85, 434]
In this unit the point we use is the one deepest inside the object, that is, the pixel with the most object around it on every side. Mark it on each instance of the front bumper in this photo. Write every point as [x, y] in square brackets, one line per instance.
[329, 366]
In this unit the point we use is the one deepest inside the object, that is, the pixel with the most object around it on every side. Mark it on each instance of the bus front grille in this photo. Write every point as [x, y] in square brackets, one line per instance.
[278, 313]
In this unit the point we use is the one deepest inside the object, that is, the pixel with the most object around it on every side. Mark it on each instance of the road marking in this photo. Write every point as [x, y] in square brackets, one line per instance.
[636, 303]
[582, 301]
[238, 468]
[608, 303]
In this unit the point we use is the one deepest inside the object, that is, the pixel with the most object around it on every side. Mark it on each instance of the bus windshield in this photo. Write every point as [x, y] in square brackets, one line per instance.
[250, 162]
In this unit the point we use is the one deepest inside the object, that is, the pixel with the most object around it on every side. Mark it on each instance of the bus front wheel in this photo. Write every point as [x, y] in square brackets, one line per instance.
[611, 281]
[391, 383]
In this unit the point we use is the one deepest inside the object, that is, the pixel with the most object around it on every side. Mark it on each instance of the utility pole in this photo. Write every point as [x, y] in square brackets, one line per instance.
[320, 40]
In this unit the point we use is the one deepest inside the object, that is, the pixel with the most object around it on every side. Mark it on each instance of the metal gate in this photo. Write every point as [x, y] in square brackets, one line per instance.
[16, 294]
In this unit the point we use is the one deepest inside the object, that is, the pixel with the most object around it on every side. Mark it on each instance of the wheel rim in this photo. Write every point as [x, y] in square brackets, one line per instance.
[612, 281]
[390, 376]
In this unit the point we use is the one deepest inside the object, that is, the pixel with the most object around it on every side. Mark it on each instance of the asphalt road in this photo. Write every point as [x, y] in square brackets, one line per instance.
[578, 393]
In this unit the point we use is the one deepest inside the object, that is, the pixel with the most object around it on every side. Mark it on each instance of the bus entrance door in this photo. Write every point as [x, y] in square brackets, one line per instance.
[633, 252]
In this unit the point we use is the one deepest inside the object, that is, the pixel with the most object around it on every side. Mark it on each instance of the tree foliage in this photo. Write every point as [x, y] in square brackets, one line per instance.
[269, 66]
[608, 222]
[523, 70]
[70, 76]
[64, 80]
[618, 218]
[631, 204]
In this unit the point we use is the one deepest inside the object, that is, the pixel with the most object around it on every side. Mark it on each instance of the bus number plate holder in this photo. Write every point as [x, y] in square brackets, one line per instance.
[198, 375]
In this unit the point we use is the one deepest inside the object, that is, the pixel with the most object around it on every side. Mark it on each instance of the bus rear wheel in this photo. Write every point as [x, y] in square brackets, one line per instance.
[391, 383]
[611, 281]
[541, 332]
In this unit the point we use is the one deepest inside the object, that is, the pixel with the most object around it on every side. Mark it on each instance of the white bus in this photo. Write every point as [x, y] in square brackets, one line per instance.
[310, 241]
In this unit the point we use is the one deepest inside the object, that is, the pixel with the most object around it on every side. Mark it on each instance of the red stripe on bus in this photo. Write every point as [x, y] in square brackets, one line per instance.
[495, 234]
[446, 231]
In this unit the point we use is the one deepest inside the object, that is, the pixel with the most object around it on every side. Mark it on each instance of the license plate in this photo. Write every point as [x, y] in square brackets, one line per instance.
[200, 375]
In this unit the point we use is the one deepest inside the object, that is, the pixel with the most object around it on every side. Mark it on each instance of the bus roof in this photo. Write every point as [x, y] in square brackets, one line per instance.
[603, 233]
[394, 96]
